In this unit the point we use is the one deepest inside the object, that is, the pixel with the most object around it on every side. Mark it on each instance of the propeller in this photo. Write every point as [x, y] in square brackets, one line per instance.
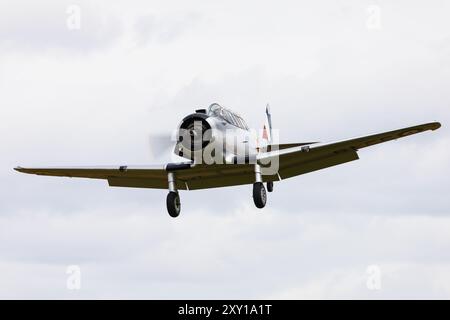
[162, 145]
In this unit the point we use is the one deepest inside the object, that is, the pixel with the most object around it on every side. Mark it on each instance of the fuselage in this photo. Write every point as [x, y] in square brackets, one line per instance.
[214, 135]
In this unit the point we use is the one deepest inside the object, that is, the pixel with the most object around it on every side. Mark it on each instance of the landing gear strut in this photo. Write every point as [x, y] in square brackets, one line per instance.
[173, 198]
[259, 192]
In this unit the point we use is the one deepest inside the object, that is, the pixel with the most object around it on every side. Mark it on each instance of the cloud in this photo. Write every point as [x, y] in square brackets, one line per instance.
[48, 25]
[245, 254]
[326, 77]
[163, 29]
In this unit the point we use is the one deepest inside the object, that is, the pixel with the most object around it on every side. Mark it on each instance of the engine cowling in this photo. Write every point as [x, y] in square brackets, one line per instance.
[193, 135]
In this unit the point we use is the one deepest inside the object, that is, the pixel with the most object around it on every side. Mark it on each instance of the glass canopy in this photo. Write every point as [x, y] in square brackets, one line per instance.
[216, 110]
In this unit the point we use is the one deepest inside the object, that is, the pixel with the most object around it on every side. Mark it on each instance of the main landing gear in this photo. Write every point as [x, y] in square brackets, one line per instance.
[173, 204]
[259, 195]
[173, 198]
[259, 192]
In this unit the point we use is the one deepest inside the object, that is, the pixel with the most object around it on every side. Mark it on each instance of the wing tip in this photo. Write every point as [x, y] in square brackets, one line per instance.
[435, 125]
[23, 170]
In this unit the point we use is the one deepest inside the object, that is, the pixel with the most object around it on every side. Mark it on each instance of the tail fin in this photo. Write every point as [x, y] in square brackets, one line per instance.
[268, 136]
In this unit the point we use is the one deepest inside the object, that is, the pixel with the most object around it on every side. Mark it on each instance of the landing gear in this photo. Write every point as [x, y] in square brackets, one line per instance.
[259, 195]
[173, 204]
[259, 192]
[173, 198]
[270, 186]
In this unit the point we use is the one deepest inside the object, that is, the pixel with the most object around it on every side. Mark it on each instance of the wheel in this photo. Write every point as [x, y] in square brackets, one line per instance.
[270, 186]
[259, 195]
[173, 204]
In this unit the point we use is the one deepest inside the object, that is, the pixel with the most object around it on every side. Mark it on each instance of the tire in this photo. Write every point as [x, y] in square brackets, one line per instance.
[259, 195]
[173, 204]
[270, 186]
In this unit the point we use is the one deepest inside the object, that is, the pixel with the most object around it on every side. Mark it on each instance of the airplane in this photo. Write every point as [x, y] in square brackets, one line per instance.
[219, 150]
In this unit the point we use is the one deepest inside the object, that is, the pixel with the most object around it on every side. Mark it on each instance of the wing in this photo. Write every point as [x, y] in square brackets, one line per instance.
[118, 176]
[188, 176]
[292, 161]
[287, 145]
[308, 158]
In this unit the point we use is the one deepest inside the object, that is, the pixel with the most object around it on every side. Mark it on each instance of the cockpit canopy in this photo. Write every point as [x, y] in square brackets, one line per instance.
[216, 110]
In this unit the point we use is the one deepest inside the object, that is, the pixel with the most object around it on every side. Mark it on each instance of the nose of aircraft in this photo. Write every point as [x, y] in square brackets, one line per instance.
[194, 132]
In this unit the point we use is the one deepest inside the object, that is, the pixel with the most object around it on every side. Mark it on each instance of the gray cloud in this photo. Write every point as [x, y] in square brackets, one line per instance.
[154, 28]
[245, 254]
[44, 26]
[326, 76]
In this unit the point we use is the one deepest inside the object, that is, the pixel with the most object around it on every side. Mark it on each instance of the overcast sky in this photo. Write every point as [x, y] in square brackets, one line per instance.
[330, 70]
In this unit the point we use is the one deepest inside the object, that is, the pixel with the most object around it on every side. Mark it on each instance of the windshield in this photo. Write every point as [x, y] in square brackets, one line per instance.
[215, 110]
